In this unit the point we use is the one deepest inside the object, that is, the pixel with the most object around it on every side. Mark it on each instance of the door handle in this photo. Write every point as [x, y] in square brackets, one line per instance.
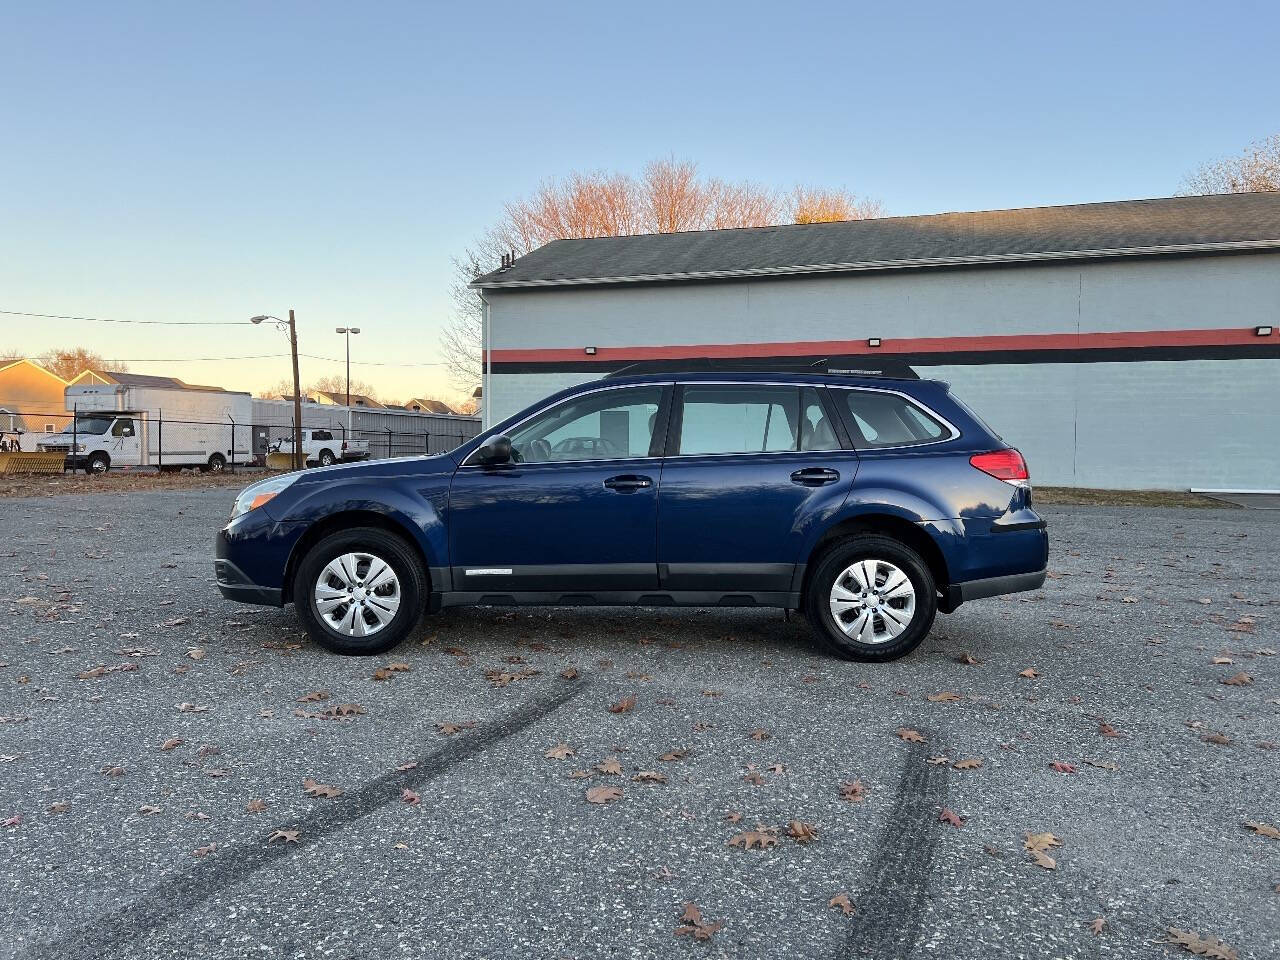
[815, 476]
[627, 483]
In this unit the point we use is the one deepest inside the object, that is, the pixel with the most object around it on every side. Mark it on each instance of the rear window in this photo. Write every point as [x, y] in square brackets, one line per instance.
[889, 420]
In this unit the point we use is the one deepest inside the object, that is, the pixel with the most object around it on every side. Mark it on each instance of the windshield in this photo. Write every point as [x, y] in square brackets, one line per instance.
[89, 425]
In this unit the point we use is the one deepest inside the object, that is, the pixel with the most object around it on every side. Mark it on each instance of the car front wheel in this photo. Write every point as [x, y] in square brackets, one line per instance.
[871, 598]
[360, 591]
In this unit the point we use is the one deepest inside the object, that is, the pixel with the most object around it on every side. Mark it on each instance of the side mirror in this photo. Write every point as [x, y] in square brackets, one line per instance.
[497, 450]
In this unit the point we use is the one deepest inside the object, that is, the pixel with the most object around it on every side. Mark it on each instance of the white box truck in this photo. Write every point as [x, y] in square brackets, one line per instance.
[153, 421]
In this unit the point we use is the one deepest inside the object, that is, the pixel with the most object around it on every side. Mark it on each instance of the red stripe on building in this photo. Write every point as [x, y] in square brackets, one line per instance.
[1226, 336]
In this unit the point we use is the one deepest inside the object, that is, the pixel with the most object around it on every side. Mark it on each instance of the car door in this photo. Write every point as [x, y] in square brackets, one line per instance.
[576, 509]
[123, 446]
[750, 469]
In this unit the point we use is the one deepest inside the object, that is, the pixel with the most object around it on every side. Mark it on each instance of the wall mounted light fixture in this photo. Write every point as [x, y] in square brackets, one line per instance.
[873, 342]
[1263, 331]
[589, 351]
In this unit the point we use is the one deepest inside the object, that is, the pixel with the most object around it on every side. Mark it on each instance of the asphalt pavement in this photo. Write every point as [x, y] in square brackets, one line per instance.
[154, 738]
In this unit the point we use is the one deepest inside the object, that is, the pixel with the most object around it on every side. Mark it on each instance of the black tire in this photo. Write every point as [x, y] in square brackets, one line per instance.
[98, 462]
[327, 459]
[834, 563]
[404, 563]
[217, 463]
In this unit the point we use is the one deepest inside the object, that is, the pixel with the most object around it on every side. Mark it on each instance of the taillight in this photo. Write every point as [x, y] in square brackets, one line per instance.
[344, 444]
[1006, 465]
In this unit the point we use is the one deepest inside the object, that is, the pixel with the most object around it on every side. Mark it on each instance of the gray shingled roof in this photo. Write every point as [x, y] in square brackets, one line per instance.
[1224, 223]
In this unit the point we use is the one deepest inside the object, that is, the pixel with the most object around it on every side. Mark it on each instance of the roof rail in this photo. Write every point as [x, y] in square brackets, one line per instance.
[850, 367]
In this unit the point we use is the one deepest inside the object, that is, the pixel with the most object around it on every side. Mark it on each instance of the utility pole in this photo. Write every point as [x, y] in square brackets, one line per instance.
[299, 458]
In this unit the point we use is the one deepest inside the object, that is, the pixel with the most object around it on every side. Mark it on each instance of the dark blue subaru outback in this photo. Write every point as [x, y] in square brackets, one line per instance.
[868, 502]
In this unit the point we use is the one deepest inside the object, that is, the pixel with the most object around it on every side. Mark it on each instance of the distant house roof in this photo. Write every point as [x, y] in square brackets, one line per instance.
[25, 362]
[429, 406]
[357, 399]
[1208, 224]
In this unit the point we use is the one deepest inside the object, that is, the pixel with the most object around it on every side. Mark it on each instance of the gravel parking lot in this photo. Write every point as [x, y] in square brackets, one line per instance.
[155, 738]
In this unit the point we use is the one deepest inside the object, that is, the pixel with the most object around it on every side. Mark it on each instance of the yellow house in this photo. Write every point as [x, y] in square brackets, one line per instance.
[31, 398]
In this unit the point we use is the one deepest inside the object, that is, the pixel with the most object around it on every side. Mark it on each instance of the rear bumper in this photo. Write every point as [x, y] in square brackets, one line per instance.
[999, 586]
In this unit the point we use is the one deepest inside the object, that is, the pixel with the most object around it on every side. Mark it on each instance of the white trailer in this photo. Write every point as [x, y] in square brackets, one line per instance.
[168, 426]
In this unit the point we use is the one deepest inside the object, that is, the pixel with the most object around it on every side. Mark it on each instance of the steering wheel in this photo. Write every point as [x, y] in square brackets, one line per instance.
[597, 445]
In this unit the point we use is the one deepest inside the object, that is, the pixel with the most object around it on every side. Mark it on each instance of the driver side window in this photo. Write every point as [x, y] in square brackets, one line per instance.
[607, 425]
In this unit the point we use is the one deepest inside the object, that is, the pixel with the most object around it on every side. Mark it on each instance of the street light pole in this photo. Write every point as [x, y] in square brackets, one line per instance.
[348, 331]
[290, 329]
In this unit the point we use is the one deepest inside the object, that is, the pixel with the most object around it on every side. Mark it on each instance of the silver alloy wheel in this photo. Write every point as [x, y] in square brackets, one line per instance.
[357, 594]
[873, 601]
[326, 458]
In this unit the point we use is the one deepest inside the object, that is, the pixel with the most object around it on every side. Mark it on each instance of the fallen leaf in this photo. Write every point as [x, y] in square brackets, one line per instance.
[968, 659]
[842, 901]
[410, 797]
[315, 789]
[673, 755]
[408, 765]
[937, 760]
[971, 763]
[1263, 829]
[754, 778]
[1060, 767]
[449, 729]
[1101, 764]
[285, 836]
[561, 751]
[113, 771]
[1095, 927]
[909, 735]
[649, 776]
[693, 924]
[191, 708]
[750, 839]
[802, 832]
[945, 696]
[733, 816]
[204, 851]
[1107, 730]
[256, 806]
[1030, 673]
[951, 817]
[1201, 946]
[149, 809]
[1218, 739]
[760, 734]
[609, 765]
[1042, 859]
[315, 696]
[625, 705]
[387, 672]
[603, 794]
[1241, 679]
[854, 791]
[1037, 842]
[569, 673]
[1221, 661]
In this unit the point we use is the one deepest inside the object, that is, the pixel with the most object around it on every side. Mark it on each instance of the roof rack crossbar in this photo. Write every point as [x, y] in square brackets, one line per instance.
[850, 367]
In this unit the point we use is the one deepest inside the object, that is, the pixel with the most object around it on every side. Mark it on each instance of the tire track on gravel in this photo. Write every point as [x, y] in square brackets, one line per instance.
[890, 911]
[96, 937]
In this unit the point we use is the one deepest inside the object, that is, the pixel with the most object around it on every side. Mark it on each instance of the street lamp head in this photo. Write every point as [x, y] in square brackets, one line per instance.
[355, 329]
[340, 330]
[258, 319]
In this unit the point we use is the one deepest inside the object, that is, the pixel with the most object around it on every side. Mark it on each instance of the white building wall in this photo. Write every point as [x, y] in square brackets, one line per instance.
[1149, 424]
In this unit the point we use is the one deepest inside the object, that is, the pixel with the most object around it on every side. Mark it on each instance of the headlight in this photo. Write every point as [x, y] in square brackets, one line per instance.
[255, 495]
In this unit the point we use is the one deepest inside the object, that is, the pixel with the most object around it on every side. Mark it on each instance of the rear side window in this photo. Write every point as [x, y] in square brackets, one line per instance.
[889, 420]
[739, 419]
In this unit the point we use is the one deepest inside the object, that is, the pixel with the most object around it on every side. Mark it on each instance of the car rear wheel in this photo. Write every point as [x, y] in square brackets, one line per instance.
[98, 462]
[360, 591]
[217, 463]
[327, 459]
[871, 598]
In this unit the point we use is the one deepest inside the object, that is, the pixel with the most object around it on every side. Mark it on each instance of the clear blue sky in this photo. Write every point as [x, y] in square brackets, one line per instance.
[211, 161]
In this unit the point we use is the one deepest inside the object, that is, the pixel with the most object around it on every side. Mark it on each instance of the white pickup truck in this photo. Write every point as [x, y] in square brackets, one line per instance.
[325, 447]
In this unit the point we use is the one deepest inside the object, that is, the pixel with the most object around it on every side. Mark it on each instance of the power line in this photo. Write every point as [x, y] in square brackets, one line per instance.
[167, 323]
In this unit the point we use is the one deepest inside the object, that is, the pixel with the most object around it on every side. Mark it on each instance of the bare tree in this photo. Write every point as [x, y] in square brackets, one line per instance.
[68, 362]
[1255, 170]
[336, 384]
[816, 205]
[669, 196]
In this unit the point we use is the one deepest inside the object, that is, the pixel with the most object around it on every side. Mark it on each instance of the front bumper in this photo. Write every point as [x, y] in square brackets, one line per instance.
[235, 585]
[251, 555]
